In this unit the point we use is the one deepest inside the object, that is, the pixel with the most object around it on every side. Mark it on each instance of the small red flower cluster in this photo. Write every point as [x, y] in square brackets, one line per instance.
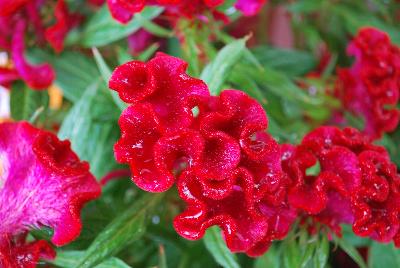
[371, 87]
[42, 183]
[124, 10]
[226, 166]
[231, 173]
[15, 16]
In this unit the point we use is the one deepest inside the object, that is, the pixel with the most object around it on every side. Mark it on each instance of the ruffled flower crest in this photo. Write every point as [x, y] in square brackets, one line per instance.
[370, 88]
[42, 183]
[226, 167]
[357, 183]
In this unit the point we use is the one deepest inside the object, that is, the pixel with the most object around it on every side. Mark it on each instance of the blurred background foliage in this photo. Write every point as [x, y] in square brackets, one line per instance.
[269, 56]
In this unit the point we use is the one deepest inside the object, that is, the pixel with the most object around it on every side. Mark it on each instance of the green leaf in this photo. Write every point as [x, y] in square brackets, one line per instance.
[354, 20]
[291, 254]
[153, 27]
[216, 72]
[106, 74]
[217, 248]
[72, 80]
[383, 255]
[68, 259]
[270, 259]
[308, 254]
[351, 251]
[26, 101]
[285, 60]
[78, 120]
[90, 127]
[123, 230]
[162, 261]
[102, 29]
[321, 252]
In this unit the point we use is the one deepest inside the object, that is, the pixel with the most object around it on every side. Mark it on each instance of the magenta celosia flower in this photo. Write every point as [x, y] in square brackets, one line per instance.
[124, 10]
[42, 183]
[249, 7]
[356, 184]
[227, 168]
[370, 88]
[15, 17]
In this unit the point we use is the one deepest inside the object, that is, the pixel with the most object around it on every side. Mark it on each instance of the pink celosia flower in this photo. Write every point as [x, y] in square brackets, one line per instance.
[42, 183]
[227, 168]
[370, 88]
[249, 7]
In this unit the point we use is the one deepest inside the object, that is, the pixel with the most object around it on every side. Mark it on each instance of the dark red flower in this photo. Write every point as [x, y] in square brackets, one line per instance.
[370, 88]
[356, 184]
[124, 10]
[9, 7]
[228, 168]
[42, 183]
[65, 21]
[17, 18]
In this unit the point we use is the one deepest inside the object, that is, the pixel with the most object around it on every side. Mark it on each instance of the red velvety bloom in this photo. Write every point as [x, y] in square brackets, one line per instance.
[357, 183]
[228, 168]
[42, 183]
[163, 96]
[370, 88]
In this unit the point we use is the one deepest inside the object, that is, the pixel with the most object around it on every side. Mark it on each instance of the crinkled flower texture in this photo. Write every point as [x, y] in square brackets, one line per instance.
[42, 183]
[124, 10]
[226, 167]
[370, 88]
[16, 18]
[357, 183]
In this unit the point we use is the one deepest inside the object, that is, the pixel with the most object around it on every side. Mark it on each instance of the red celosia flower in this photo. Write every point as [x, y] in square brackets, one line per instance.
[15, 17]
[356, 184]
[124, 10]
[370, 88]
[56, 34]
[42, 183]
[228, 168]
[9, 7]
[17, 253]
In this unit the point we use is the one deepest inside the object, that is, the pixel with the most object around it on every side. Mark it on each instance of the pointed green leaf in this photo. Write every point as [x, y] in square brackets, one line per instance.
[321, 252]
[74, 71]
[25, 102]
[106, 74]
[67, 259]
[102, 29]
[270, 259]
[123, 230]
[351, 251]
[216, 72]
[217, 248]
